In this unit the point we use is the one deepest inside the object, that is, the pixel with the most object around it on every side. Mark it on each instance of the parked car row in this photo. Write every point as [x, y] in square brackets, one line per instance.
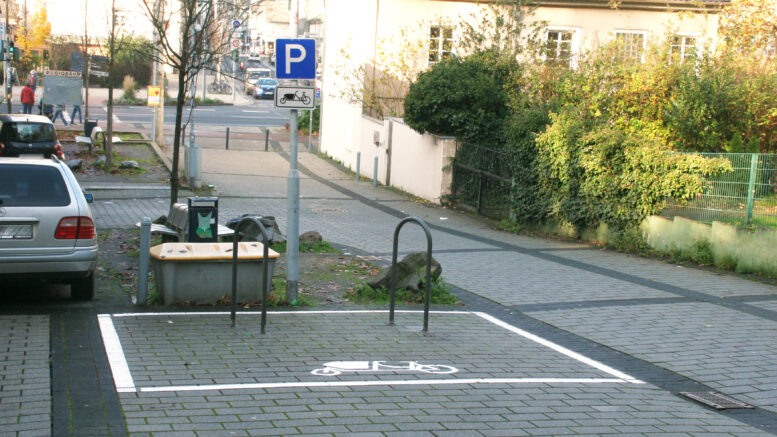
[47, 229]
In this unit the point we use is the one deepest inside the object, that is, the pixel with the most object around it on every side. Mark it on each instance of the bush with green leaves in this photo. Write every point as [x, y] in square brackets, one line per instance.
[592, 173]
[461, 97]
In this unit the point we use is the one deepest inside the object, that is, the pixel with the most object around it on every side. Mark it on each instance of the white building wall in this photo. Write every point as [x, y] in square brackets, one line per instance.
[417, 162]
[351, 26]
[370, 150]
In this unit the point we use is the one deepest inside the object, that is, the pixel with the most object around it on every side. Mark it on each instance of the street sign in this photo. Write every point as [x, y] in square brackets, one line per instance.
[236, 24]
[295, 58]
[235, 43]
[295, 97]
[154, 96]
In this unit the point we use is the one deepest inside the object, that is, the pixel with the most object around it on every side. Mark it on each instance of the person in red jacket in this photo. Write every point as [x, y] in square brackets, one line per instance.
[28, 99]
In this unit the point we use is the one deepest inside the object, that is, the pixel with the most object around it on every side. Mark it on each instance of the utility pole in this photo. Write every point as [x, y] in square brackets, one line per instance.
[292, 192]
[86, 63]
[194, 152]
[6, 63]
[157, 124]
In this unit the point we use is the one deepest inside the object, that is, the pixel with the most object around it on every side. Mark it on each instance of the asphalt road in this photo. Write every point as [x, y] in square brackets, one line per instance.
[260, 113]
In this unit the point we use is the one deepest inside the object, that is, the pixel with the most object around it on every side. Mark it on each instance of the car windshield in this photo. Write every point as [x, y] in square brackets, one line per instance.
[268, 82]
[32, 185]
[28, 132]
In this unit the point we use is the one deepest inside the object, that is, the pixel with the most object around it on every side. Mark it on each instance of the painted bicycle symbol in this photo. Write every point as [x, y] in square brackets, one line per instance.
[334, 368]
[299, 96]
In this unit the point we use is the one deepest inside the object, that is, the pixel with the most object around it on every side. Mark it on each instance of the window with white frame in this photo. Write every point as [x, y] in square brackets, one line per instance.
[683, 47]
[630, 45]
[561, 46]
[441, 39]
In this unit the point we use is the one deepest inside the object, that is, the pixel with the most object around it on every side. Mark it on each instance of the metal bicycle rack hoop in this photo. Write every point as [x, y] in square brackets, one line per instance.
[428, 282]
[265, 264]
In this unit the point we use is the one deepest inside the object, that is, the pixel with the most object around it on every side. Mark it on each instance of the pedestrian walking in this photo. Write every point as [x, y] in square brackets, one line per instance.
[76, 108]
[59, 112]
[33, 80]
[28, 99]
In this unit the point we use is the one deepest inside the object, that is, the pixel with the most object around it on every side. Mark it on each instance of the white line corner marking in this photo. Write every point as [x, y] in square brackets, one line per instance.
[561, 349]
[121, 373]
[124, 383]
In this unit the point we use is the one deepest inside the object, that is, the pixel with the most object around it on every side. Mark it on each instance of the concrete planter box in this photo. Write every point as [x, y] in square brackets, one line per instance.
[201, 273]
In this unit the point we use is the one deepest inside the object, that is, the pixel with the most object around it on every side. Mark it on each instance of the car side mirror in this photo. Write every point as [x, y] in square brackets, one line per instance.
[89, 197]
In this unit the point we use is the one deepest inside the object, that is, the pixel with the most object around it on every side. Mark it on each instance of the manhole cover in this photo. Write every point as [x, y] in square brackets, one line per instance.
[715, 400]
[329, 210]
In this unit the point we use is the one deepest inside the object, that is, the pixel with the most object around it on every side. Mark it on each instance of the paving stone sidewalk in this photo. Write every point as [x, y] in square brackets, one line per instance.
[644, 331]
[674, 328]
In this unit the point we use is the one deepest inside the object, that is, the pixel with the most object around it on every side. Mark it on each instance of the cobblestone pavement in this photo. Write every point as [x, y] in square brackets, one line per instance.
[645, 330]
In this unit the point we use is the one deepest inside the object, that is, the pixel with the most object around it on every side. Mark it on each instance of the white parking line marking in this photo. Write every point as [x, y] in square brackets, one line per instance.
[560, 349]
[124, 383]
[384, 383]
[122, 377]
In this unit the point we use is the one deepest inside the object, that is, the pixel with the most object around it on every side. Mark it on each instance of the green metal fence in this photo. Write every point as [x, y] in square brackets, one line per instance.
[746, 196]
[482, 180]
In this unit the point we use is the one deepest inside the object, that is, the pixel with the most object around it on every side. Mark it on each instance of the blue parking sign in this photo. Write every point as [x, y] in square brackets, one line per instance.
[295, 58]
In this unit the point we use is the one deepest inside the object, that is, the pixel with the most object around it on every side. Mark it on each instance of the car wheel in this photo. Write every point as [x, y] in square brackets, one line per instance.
[82, 288]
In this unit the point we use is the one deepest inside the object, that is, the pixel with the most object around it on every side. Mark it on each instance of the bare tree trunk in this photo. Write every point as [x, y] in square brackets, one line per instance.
[174, 181]
[109, 125]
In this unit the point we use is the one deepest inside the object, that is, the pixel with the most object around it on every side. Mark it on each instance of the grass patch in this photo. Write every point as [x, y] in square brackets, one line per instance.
[629, 241]
[320, 247]
[440, 294]
[277, 296]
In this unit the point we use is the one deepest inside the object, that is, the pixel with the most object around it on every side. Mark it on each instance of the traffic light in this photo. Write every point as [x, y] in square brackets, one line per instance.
[12, 53]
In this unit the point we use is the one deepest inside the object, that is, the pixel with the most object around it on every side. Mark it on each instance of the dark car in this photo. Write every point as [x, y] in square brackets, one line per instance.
[265, 88]
[24, 133]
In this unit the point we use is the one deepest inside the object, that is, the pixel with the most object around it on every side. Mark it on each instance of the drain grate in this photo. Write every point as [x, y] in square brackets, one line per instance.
[715, 400]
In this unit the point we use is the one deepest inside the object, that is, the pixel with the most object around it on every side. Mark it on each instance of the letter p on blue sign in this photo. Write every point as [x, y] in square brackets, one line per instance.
[295, 58]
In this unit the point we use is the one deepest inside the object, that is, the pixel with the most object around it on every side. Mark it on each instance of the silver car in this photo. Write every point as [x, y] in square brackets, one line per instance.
[46, 226]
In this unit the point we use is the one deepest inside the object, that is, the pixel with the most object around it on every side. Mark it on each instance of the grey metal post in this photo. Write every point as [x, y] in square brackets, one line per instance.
[358, 165]
[266, 138]
[375, 172]
[292, 201]
[751, 187]
[227, 138]
[310, 130]
[143, 259]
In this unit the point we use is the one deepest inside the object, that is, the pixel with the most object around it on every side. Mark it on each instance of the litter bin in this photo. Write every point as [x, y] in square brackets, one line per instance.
[203, 219]
[89, 124]
[201, 273]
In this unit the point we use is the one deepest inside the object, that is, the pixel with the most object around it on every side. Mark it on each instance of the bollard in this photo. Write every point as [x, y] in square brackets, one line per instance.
[266, 138]
[143, 258]
[375, 172]
[227, 138]
[310, 130]
[358, 165]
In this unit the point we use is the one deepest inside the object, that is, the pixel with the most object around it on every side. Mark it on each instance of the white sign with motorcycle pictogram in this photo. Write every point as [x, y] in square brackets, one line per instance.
[295, 97]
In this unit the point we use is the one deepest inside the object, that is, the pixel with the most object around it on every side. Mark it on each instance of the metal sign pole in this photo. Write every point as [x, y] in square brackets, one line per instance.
[292, 233]
[295, 59]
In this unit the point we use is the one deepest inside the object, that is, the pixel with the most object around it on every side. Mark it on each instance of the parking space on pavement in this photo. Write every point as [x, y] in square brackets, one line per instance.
[200, 351]
[344, 372]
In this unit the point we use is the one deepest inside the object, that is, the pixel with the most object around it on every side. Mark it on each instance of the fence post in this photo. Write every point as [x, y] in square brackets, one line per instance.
[480, 190]
[358, 165]
[143, 259]
[375, 172]
[751, 187]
